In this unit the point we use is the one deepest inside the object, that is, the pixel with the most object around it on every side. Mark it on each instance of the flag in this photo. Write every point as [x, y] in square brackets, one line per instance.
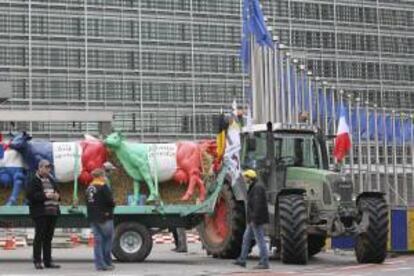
[232, 151]
[343, 141]
[221, 137]
[253, 23]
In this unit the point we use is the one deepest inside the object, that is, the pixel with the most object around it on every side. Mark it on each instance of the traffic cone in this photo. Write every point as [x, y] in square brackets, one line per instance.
[10, 243]
[91, 240]
[74, 238]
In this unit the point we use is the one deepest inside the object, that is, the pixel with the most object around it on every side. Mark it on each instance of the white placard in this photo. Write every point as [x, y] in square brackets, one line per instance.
[64, 160]
[163, 160]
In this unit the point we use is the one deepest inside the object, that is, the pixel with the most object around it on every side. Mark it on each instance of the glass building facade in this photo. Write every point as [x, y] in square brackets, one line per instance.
[365, 47]
[166, 67]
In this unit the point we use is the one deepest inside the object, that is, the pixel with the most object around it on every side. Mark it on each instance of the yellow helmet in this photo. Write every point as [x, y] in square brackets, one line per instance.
[250, 174]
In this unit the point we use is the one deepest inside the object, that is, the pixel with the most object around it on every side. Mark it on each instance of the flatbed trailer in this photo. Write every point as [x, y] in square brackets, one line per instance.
[134, 225]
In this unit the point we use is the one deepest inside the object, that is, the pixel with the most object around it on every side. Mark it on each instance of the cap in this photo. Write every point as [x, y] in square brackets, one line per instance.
[250, 174]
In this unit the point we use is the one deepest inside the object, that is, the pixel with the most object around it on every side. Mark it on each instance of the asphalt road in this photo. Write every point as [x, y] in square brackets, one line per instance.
[162, 261]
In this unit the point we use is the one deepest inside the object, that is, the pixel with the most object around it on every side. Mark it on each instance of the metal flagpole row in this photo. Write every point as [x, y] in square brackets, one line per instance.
[282, 88]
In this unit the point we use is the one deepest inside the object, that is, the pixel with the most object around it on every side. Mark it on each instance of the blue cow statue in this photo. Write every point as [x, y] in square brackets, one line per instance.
[78, 158]
[33, 151]
[12, 173]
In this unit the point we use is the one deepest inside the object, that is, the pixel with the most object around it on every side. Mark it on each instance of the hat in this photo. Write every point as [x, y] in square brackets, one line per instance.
[108, 166]
[44, 163]
[250, 174]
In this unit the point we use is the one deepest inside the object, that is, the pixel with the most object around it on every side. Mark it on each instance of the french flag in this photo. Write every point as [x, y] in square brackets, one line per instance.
[343, 141]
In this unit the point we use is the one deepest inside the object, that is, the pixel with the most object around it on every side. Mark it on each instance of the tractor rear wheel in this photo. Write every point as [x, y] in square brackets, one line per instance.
[371, 246]
[293, 229]
[222, 232]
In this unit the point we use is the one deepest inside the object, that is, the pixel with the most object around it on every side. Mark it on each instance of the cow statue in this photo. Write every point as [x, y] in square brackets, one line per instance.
[12, 173]
[85, 155]
[149, 163]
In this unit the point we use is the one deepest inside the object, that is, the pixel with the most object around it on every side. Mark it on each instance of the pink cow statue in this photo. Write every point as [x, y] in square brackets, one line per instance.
[189, 166]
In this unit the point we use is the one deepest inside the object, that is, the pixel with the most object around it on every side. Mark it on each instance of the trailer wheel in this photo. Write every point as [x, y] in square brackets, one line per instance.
[293, 227]
[132, 242]
[371, 246]
[222, 232]
[315, 244]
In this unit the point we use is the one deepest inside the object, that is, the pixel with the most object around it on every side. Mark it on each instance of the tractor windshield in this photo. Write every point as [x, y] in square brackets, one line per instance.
[290, 149]
[302, 151]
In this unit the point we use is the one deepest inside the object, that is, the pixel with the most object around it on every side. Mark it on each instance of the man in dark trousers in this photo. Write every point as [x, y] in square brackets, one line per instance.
[257, 217]
[100, 208]
[43, 198]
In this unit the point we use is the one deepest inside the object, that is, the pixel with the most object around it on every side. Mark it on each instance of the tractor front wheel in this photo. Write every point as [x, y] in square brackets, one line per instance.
[371, 245]
[293, 229]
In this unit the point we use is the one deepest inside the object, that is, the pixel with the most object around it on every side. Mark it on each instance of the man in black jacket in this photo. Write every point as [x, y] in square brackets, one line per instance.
[257, 217]
[43, 197]
[100, 205]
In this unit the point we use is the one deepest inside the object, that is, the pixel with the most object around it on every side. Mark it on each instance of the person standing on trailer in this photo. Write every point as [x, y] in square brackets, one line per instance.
[100, 212]
[43, 198]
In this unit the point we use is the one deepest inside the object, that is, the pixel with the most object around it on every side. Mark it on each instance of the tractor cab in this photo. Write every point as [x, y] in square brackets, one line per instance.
[273, 148]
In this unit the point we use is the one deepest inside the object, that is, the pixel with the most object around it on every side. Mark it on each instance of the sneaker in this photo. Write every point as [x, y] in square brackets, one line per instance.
[239, 263]
[261, 266]
[109, 268]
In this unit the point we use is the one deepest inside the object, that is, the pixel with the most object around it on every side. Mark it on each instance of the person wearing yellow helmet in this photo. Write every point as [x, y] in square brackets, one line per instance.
[257, 216]
[249, 175]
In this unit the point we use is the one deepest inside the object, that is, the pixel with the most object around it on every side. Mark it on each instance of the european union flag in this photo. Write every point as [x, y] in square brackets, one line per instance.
[253, 23]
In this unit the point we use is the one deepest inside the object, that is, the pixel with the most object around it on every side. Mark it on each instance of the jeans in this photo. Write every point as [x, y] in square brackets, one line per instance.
[103, 234]
[256, 232]
[44, 231]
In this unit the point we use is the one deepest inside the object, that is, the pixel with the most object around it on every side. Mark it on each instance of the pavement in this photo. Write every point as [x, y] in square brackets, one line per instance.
[162, 261]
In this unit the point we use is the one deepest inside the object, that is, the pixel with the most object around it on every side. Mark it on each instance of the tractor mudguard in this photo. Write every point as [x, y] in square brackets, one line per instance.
[238, 187]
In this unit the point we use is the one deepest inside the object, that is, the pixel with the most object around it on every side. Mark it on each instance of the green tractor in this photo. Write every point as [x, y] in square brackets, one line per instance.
[307, 202]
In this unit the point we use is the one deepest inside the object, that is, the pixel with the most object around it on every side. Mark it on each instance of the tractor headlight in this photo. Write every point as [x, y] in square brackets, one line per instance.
[354, 196]
[337, 197]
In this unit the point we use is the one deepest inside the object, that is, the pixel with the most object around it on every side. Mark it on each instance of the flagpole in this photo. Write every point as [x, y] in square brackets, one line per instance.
[253, 79]
[368, 146]
[351, 130]
[288, 87]
[276, 103]
[394, 160]
[310, 97]
[360, 180]
[266, 90]
[282, 84]
[387, 181]
[303, 86]
[295, 90]
[325, 106]
[264, 74]
[412, 156]
[404, 158]
[317, 102]
[334, 118]
[377, 159]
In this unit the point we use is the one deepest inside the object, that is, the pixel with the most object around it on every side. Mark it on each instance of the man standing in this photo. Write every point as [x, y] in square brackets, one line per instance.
[257, 217]
[100, 205]
[43, 197]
